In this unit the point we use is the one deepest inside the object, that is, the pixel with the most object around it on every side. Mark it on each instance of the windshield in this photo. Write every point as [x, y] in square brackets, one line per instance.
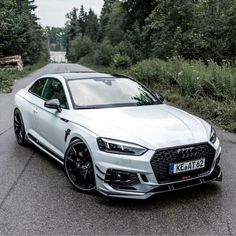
[109, 92]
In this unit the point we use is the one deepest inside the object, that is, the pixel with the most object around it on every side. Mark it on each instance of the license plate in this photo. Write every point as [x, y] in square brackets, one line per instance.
[187, 166]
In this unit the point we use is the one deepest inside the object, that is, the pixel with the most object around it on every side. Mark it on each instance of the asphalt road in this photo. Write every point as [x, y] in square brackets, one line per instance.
[36, 197]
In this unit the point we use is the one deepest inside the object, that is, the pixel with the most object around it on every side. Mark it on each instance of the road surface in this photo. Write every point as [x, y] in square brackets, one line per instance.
[36, 197]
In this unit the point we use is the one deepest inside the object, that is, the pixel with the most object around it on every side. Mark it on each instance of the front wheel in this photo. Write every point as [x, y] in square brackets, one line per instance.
[79, 167]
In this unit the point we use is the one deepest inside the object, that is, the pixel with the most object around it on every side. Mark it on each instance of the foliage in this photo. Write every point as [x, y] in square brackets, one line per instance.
[56, 38]
[80, 47]
[163, 28]
[8, 77]
[114, 29]
[92, 26]
[20, 32]
[126, 48]
[192, 78]
[105, 18]
[137, 11]
[104, 53]
[121, 61]
[191, 29]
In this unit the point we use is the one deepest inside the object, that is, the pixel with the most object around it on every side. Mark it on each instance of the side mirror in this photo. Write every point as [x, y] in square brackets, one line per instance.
[160, 97]
[53, 104]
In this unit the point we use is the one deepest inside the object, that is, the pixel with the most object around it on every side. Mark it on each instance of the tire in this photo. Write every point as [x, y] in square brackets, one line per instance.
[78, 166]
[19, 128]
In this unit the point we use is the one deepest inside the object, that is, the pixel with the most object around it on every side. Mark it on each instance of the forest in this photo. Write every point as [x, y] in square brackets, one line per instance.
[131, 30]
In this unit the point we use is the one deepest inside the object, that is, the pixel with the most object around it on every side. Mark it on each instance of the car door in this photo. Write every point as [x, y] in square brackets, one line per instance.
[50, 123]
[34, 98]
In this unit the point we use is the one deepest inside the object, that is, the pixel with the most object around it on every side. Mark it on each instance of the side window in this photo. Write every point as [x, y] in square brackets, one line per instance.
[37, 87]
[54, 89]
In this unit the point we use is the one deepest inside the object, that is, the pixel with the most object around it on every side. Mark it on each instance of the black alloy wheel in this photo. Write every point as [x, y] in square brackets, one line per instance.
[79, 167]
[19, 128]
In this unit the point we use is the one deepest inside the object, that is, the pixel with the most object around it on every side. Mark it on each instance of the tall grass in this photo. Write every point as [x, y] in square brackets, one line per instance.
[192, 78]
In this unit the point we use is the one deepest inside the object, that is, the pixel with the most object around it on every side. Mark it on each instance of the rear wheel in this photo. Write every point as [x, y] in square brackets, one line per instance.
[19, 128]
[79, 167]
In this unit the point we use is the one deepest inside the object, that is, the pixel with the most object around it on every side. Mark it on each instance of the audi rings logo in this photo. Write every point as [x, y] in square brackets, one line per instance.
[187, 152]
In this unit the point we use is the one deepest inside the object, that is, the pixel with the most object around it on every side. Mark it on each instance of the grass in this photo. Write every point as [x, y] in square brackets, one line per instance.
[8, 77]
[206, 90]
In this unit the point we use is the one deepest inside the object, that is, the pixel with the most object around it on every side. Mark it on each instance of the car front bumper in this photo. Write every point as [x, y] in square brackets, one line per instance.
[146, 184]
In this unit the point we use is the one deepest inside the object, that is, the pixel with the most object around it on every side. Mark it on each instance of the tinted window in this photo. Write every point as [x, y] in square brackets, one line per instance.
[37, 87]
[54, 89]
[109, 92]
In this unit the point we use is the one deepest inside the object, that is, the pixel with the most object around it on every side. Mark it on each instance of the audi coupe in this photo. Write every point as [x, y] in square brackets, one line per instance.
[115, 136]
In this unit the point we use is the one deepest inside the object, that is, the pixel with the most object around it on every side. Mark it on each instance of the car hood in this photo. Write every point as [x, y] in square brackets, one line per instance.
[155, 126]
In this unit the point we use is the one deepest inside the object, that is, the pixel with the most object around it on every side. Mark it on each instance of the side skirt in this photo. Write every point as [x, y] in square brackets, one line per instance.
[38, 144]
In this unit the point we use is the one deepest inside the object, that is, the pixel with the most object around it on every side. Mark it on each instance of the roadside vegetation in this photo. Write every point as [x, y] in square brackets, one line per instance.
[21, 34]
[8, 77]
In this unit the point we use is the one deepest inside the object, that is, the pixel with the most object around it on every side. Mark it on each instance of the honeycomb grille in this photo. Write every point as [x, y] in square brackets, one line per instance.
[162, 159]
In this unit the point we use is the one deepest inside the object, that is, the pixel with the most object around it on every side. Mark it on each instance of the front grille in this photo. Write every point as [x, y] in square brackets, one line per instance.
[162, 158]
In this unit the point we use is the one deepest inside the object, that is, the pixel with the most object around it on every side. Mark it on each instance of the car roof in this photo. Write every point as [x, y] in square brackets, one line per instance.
[85, 75]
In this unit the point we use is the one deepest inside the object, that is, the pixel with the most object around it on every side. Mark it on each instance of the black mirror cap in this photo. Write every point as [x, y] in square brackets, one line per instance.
[160, 97]
[53, 104]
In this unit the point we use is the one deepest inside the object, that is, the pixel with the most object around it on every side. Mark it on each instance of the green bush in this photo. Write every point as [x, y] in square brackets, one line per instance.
[125, 48]
[80, 47]
[103, 54]
[121, 61]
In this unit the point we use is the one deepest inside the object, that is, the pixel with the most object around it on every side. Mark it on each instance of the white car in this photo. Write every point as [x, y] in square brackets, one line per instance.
[115, 136]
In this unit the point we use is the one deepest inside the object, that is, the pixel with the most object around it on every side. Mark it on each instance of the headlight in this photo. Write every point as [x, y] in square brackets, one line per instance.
[213, 136]
[119, 147]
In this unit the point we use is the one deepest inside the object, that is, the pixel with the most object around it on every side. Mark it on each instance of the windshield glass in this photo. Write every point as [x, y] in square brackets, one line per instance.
[109, 92]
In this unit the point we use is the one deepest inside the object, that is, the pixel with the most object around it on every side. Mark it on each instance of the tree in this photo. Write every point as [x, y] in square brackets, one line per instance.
[82, 20]
[137, 11]
[79, 47]
[72, 28]
[92, 25]
[114, 28]
[56, 38]
[104, 18]
[171, 29]
[20, 33]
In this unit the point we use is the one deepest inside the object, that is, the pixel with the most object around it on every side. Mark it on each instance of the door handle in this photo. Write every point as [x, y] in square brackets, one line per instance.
[35, 110]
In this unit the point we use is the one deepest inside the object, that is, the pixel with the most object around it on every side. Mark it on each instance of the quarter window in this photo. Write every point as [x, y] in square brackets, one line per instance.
[37, 87]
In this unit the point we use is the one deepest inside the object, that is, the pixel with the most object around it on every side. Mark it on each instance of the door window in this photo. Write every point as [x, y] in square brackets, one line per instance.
[54, 89]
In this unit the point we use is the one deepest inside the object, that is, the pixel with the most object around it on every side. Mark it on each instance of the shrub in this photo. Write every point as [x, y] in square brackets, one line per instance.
[125, 48]
[121, 61]
[103, 54]
[80, 47]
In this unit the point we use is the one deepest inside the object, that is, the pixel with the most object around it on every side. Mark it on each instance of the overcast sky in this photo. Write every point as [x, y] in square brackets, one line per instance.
[52, 12]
